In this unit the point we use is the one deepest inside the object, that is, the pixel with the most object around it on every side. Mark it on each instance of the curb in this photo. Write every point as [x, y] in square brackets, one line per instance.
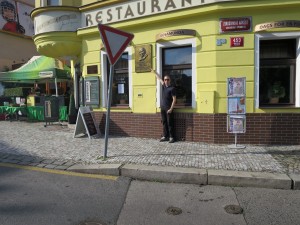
[194, 175]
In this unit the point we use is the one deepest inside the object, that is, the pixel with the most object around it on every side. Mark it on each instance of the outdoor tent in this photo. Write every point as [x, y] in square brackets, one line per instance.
[39, 69]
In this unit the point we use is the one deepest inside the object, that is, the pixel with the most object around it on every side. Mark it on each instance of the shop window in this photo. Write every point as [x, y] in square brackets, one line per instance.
[277, 72]
[120, 86]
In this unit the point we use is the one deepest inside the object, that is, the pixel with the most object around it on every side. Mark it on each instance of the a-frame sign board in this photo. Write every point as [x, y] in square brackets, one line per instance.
[115, 42]
[85, 123]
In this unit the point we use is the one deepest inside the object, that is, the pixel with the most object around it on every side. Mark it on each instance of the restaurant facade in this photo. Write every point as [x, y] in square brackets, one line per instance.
[235, 65]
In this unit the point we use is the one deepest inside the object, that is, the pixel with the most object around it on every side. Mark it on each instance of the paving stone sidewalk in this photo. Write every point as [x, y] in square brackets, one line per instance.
[54, 147]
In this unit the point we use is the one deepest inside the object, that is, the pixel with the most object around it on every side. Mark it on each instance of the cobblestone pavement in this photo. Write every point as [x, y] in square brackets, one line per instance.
[54, 146]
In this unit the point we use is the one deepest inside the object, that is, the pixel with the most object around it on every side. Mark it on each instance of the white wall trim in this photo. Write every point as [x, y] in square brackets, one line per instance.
[159, 47]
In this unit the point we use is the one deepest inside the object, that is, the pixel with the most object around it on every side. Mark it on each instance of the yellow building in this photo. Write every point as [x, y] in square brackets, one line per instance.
[201, 45]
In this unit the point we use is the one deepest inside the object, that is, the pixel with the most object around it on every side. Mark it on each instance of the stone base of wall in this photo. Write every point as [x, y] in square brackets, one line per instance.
[261, 128]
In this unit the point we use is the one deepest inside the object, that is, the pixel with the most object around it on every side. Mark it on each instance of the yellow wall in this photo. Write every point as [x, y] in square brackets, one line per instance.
[214, 63]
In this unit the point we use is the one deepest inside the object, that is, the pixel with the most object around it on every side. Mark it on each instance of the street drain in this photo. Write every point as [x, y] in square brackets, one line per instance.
[233, 209]
[173, 211]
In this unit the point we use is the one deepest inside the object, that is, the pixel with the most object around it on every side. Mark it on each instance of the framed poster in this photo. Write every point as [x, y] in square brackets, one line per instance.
[236, 124]
[236, 105]
[236, 86]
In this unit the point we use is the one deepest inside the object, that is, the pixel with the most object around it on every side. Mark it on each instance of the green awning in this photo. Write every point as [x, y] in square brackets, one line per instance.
[38, 69]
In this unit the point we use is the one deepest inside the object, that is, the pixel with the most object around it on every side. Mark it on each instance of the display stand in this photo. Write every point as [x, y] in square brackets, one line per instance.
[235, 145]
[236, 108]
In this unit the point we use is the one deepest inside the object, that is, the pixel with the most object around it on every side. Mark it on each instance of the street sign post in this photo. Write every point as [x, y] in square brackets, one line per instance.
[115, 42]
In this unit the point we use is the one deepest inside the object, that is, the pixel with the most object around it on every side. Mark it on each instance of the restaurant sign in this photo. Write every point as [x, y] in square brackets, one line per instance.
[235, 24]
[277, 24]
[172, 33]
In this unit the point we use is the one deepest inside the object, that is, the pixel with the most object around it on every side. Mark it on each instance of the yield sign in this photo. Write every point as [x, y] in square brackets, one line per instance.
[115, 41]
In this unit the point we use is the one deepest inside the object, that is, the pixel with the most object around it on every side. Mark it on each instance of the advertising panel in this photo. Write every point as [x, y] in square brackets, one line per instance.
[15, 17]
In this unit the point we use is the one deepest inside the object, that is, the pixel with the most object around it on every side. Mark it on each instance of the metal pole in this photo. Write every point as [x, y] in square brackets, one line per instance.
[56, 88]
[108, 110]
[235, 139]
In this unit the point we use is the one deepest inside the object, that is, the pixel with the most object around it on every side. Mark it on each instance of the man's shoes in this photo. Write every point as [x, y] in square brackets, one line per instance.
[164, 139]
[171, 140]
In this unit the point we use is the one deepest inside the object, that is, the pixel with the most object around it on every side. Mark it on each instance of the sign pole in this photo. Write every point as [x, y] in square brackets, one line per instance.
[115, 42]
[108, 110]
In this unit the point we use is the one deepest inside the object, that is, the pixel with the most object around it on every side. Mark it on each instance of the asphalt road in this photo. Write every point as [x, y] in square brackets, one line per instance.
[35, 196]
[44, 198]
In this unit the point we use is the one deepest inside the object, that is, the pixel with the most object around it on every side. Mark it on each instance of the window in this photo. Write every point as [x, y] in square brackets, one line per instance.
[277, 72]
[177, 59]
[179, 68]
[121, 86]
[277, 57]
[52, 2]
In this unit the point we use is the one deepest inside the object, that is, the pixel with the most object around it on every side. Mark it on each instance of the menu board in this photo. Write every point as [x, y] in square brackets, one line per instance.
[85, 123]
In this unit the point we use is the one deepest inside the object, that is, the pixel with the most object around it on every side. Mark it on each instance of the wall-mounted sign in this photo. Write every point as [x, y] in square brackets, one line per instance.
[91, 90]
[126, 10]
[143, 58]
[235, 24]
[236, 41]
[172, 33]
[221, 41]
[277, 24]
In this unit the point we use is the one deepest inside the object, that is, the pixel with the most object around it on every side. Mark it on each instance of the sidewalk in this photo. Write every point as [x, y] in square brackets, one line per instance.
[54, 147]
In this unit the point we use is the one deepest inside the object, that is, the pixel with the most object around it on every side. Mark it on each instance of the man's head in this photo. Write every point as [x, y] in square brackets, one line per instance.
[167, 80]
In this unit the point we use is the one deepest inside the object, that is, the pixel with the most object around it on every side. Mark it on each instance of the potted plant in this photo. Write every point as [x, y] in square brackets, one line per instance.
[123, 99]
[277, 92]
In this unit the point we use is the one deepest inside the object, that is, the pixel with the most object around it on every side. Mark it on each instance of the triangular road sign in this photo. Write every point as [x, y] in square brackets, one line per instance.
[115, 41]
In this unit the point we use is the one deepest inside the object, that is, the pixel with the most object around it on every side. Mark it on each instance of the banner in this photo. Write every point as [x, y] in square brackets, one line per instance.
[15, 17]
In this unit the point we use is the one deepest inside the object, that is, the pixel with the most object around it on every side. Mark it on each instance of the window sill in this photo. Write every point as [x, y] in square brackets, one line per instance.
[277, 106]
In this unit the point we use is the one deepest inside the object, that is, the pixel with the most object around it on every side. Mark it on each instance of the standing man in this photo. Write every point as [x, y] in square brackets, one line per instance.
[167, 106]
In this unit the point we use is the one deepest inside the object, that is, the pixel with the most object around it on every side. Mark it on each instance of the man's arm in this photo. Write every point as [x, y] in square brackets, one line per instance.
[173, 104]
[158, 76]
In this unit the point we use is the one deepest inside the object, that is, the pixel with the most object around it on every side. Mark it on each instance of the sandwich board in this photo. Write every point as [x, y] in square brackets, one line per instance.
[85, 123]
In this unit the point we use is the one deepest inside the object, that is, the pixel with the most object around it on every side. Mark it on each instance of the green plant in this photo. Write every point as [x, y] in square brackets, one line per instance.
[277, 90]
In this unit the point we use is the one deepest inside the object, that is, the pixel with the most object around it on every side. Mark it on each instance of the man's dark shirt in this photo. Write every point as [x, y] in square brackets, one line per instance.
[167, 97]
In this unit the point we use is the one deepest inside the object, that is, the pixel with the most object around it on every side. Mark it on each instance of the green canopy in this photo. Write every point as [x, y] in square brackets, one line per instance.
[38, 69]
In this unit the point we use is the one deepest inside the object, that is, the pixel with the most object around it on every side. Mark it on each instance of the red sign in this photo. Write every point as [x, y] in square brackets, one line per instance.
[235, 24]
[115, 41]
[237, 42]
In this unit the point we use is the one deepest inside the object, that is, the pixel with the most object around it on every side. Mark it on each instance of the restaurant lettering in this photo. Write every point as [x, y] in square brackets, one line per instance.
[139, 8]
[277, 24]
[171, 33]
